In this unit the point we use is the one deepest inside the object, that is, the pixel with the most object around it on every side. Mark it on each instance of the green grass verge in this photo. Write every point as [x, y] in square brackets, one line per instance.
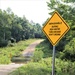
[45, 48]
[7, 52]
[44, 67]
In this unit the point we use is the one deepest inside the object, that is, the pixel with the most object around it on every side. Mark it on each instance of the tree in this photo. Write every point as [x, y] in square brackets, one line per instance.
[67, 12]
[69, 51]
[66, 9]
[68, 1]
[16, 28]
[4, 28]
[38, 30]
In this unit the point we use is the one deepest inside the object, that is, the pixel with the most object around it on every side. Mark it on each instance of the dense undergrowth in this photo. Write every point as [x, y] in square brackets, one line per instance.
[44, 67]
[41, 63]
[6, 53]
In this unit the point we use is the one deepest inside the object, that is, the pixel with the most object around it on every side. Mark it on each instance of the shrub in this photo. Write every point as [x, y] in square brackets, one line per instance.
[3, 43]
[69, 51]
[20, 59]
[10, 44]
[12, 40]
[38, 55]
[45, 48]
[32, 69]
[4, 60]
[44, 67]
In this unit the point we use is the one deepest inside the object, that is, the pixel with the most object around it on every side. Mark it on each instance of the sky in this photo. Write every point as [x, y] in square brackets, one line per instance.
[35, 10]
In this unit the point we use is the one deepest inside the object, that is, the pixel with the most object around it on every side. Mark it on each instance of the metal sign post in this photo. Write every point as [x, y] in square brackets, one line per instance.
[53, 61]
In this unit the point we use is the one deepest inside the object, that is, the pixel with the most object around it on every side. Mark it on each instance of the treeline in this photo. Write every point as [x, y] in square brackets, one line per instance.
[16, 28]
[66, 47]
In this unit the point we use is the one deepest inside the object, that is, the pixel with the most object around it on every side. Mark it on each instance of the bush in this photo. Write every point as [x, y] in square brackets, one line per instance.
[32, 69]
[44, 67]
[45, 48]
[38, 55]
[12, 40]
[3, 43]
[69, 51]
[10, 44]
[9, 52]
[4, 60]
[20, 59]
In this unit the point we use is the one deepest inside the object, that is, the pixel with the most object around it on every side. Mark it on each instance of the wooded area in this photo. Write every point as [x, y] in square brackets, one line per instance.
[14, 28]
[66, 8]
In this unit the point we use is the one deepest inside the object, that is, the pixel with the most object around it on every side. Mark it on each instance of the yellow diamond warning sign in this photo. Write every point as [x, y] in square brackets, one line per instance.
[55, 28]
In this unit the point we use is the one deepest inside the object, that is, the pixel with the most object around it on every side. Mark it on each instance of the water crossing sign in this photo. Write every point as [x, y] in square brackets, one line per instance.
[55, 28]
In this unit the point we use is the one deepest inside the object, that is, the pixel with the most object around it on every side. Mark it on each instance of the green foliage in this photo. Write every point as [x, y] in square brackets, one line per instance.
[12, 40]
[6, 53]
[67, 54]
[68, 1]
[38, 32]
[4, 59]
[3, 43]
[37, 56]
[69, 51]
[65, 48]
[67, 12]
[16, 28]
[20, 59]
[46, 48]
[44, 67]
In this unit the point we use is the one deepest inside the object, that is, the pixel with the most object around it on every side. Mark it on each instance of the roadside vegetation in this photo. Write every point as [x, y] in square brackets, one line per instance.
[16, 33]
[6, 53]
[44, 67]
[15, 29]
[41, 63]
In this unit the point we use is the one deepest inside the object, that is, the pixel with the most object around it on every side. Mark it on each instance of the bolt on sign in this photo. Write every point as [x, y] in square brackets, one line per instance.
[55, 28]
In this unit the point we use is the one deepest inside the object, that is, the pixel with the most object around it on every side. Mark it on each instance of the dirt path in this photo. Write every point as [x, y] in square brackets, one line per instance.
[5, 69]
[30, 49]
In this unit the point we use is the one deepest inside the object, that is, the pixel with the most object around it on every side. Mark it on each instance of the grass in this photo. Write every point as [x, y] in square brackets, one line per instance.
[45, 48]
[44, 66]
[7, 52]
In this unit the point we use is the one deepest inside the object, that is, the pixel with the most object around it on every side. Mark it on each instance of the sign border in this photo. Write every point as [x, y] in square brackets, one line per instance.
[68, 27]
